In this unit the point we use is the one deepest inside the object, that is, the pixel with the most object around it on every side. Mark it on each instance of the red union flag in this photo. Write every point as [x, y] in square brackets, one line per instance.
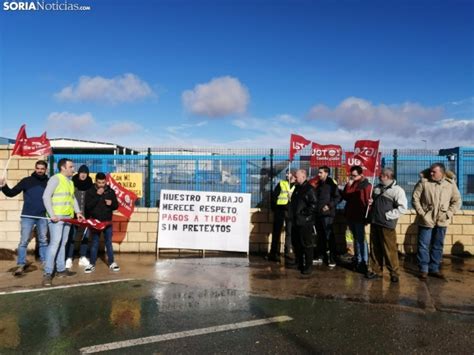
[330, 155]
[30, 147]
[89, 223]
[367, 152]
[378, 164]
[296, 144]
[351, 161]
[125, 198]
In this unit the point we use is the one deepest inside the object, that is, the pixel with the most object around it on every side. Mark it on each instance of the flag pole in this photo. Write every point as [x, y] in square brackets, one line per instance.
[6, 167]
[371, 189]
[290, 155]
[37, 217]
[84, 234]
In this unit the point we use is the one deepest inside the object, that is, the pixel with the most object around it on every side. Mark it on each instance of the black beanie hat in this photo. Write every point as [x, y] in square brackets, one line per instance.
[83, 169]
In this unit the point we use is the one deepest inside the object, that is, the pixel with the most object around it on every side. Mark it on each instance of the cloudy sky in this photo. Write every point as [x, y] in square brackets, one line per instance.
[243, 73]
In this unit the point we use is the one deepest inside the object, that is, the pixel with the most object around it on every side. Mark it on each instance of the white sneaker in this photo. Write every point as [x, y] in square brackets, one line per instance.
[89, 268]
[83, 261]
[68, 263]
[114, 267]
[318, 261]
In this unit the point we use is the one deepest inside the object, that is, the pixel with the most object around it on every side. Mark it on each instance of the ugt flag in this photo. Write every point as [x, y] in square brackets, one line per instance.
[367, 152]
[30, 147]
[125, 198]
[296, 144]
[351, 161]
[330, 155]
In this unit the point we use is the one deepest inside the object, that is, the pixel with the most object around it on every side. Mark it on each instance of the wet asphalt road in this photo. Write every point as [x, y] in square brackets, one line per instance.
[66, 320]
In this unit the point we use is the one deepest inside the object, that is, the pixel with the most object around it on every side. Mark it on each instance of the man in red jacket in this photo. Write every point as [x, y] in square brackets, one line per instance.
[357, 196]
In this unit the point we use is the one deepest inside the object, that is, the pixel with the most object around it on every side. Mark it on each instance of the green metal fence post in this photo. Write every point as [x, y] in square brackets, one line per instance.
[148, 178]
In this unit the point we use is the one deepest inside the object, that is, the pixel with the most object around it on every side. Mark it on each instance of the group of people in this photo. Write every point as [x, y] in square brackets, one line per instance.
[307, 208]
[49, 204]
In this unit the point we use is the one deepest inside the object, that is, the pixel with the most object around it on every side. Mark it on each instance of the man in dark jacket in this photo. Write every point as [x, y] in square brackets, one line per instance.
[328, 197]
[280, 206]
[82, 183]
[303, 209]
[389, 202]
[100, 203]
[33, 212]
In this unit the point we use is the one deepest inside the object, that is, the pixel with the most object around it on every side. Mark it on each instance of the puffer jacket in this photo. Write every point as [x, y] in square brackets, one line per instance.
[436, 202]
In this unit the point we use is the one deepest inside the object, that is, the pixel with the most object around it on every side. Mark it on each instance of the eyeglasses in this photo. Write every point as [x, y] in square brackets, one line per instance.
[355, 175]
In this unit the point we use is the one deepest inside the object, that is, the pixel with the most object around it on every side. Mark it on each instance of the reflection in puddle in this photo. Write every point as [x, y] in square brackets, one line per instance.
[9, 332]
[171, 298]
[125, 313]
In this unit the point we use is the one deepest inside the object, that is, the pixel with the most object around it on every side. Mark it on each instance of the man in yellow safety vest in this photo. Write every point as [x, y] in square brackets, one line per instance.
[60, 203]
[280, 206]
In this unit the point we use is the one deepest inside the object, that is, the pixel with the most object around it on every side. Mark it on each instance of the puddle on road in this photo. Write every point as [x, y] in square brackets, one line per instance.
[58, 319]
[65, 320]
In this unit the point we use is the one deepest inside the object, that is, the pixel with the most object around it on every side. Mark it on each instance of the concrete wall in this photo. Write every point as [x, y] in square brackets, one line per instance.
[139, 234]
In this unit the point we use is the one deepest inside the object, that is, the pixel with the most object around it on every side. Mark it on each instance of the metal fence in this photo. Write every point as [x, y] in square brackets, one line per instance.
[256, 171]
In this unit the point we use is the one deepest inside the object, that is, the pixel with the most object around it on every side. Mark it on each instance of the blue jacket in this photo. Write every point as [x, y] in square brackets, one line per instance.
[32, 187]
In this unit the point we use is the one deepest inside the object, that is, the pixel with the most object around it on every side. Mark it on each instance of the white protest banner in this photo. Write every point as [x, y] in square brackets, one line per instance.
[204, 220]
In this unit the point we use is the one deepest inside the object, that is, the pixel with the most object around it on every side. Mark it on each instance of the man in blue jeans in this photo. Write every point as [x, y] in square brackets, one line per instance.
[357, 196]
[33, 212]
[100, 204]
[60, 203]
[436, 199]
